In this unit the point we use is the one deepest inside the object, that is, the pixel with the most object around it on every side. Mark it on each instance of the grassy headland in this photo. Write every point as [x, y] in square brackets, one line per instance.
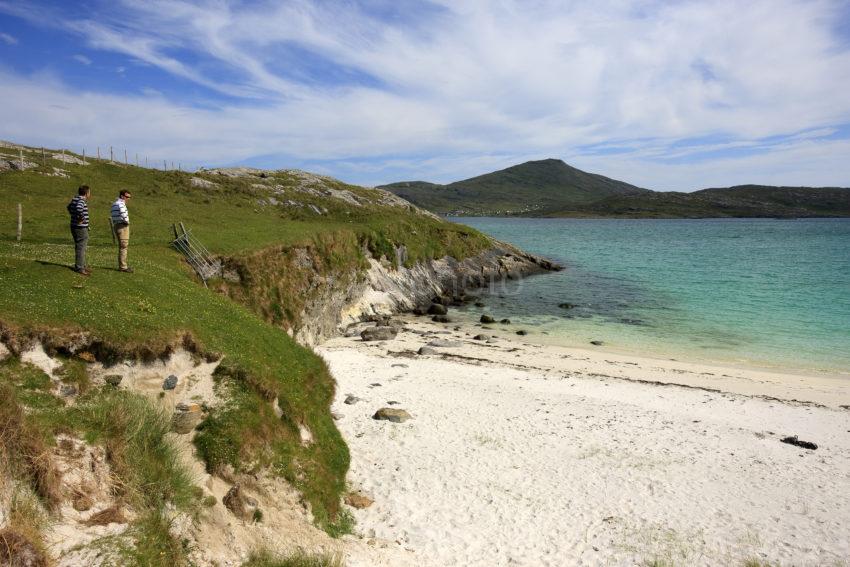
[277, 216]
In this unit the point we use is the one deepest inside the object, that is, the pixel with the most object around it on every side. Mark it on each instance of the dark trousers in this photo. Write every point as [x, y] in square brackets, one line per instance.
[81, 241]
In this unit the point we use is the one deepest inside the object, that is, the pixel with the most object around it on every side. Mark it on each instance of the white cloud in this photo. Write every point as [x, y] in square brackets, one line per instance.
[8, 39]
[473, 85]
[82, 59]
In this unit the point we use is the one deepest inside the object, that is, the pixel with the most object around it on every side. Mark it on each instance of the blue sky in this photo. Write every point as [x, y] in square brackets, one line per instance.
[675, 95]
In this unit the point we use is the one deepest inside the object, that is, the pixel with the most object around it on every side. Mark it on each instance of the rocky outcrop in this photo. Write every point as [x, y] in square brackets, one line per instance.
[385, 289]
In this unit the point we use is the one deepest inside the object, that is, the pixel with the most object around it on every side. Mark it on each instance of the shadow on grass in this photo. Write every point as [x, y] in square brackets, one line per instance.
[71, 267]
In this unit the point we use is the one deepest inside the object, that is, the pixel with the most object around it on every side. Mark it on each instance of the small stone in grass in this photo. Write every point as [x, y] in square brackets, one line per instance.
[113, 379]
[186, 417]
[67, 390]
[170, 383]
[394, 415]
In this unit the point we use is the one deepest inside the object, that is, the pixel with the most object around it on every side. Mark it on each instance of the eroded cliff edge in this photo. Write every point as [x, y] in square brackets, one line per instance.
[324, 300]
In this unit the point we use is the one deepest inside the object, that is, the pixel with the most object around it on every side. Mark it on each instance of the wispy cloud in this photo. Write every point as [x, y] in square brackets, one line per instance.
[8, 39]
[442, 90]
[82, 59]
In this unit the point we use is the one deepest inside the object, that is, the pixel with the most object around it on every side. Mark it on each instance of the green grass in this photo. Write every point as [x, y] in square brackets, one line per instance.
[267, 559]
[146, 314]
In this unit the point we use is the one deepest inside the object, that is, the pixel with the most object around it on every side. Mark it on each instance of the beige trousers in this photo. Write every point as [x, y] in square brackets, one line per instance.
[122, 233]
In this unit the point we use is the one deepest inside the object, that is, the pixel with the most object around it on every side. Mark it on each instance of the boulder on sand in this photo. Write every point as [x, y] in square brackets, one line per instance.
[437, 309]
[428, 350]
[240, 504]
[443, 343]
[379, 333]
[392, 414]
[358, 500]
[487, 319]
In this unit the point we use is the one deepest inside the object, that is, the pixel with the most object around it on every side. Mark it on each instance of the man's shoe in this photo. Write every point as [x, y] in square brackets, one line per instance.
[127, 270]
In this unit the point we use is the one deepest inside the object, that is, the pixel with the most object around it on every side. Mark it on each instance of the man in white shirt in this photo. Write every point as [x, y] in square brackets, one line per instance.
[121, 226]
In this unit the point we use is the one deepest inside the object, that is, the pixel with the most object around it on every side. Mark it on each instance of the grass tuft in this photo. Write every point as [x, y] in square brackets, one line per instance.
[268, 559]
[25, 449]
[133, 431]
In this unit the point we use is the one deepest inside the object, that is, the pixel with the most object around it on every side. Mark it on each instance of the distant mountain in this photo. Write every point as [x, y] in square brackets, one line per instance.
[752, 201]
[531, 188]
[552, 188]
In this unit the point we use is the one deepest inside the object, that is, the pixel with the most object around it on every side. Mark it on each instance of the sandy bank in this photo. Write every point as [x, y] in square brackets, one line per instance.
[520, 454]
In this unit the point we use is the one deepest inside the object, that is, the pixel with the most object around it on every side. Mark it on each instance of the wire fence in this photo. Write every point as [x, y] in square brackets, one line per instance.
[107, 154]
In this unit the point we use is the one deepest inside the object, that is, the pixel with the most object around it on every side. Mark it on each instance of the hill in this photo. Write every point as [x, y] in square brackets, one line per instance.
[293, 247]
[552, 188]
[743, 201]
[527, 189]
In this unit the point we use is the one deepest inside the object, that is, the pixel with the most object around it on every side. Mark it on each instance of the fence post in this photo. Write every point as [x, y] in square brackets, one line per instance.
[63, 156]
[146, 161]
[84, 154]
[43, 161]
[20, 221]
[21, 157]
[164, 165]
[125, 156]
[98, 152]
[137, 160]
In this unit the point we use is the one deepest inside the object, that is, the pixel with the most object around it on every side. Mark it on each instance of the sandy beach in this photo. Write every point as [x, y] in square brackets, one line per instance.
[526, 454]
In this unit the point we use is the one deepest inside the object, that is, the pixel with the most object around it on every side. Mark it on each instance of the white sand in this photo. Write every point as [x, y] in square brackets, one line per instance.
[553, 456]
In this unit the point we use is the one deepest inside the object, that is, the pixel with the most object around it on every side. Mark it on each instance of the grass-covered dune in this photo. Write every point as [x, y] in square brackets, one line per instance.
[163, 304]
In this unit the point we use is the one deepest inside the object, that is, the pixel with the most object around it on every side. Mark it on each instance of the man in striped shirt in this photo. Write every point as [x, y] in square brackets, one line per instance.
[78, 208]
[121, 226]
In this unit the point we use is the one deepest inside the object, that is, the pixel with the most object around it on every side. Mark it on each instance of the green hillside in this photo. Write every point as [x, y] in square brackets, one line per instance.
[743, 201]
[528, 189]
[332, 226]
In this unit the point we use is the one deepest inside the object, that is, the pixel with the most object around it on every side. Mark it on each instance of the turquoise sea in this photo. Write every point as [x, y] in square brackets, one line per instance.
[765, 292]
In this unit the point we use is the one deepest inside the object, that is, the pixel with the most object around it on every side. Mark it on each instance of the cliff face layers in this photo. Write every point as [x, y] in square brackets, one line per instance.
[386, 290]
[298, 290]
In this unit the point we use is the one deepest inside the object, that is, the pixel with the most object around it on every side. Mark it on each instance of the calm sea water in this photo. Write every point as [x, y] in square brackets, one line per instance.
[769, 292]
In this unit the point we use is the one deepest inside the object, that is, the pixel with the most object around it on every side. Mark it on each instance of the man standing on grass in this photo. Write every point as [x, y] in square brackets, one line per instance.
[121, 226]
[78, 208]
